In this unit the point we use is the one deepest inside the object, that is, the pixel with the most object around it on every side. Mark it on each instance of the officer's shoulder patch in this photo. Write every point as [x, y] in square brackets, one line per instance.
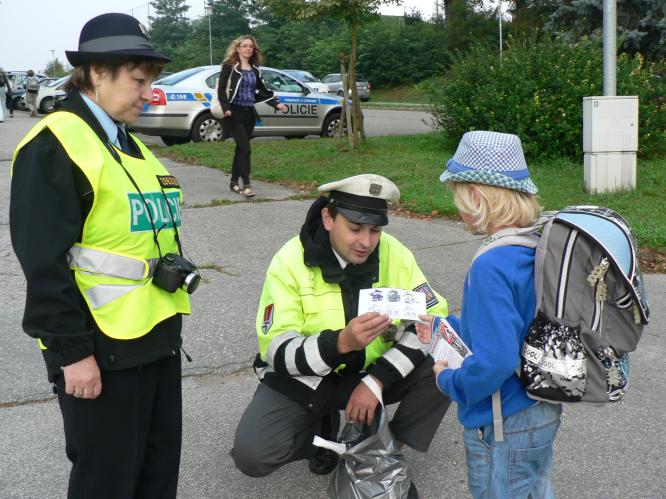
[168, 181]
[431, 298]
[268, 318]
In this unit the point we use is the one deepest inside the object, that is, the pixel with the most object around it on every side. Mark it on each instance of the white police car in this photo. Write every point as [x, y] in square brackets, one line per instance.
[180, 109]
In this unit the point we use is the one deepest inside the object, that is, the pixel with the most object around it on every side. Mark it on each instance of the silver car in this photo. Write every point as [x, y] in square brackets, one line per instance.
[180, 109]
[334, 83]
[315, 84]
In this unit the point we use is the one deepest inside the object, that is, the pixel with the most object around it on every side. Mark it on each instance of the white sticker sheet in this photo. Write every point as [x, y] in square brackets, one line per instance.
[396, 303]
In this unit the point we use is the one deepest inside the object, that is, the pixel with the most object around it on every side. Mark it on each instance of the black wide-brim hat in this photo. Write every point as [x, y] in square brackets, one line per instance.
[113, 37]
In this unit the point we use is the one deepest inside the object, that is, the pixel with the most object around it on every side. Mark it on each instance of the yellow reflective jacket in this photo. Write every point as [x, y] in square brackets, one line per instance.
[300, 310]
[114, 261]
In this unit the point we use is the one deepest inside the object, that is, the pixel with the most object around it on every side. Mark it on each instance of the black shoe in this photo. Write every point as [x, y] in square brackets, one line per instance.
[412, 493]
[323, 462]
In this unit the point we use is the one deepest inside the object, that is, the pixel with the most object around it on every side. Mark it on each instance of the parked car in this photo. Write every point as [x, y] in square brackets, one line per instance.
[334, 83]
[180, 109]
[315, 84]
[49, 95]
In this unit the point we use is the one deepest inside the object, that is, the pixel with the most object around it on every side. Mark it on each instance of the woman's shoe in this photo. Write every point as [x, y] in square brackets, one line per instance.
[235, 188]
[248, 192]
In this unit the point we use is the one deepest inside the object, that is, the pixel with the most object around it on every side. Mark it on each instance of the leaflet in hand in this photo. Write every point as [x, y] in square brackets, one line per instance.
[445, 344]
[396, 303]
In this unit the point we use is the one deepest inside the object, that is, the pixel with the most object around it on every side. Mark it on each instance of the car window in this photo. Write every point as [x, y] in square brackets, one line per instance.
[331, 78]
[281, 82]
[307, 77]
[176, 78]
[212, 80]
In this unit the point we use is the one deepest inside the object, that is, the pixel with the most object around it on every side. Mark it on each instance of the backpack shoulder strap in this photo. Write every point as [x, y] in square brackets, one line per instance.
[526, 236]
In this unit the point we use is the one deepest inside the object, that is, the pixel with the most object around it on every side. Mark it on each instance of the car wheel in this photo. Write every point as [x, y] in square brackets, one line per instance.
[340, 93]
[172, 140]
[207, 128]
[18, 104]
[331, 124]
[47, 105]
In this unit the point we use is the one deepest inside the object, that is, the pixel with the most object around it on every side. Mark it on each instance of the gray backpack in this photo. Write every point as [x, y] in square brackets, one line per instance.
[591, 306]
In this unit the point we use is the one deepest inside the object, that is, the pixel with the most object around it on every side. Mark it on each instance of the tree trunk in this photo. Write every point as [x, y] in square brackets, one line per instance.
[447, 11]
[345, 115]
[356, 109]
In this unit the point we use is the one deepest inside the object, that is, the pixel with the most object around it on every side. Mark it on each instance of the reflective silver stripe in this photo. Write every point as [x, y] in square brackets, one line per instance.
[313, 356]
[102, 262]
[118, 42]
[290, 355]
[311, 382]
[410, 340]
[100, 295]
[277, 343]
[399, 360]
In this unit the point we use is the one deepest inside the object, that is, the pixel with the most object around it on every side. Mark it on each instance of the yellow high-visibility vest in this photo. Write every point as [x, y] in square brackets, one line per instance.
[296, 298]
[114, 262]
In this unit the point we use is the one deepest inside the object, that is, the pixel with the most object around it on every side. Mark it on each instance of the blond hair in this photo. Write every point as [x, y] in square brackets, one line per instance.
[497, 206]
[231, 56]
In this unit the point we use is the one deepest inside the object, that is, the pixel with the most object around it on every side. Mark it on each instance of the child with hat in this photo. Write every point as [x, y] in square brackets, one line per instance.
[494, 195]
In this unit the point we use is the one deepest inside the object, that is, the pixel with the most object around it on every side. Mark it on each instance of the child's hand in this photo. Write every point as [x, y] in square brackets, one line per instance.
[424, 329]
[439, 366]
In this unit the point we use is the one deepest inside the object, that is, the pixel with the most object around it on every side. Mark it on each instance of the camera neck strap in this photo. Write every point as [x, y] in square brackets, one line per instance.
[116, 156]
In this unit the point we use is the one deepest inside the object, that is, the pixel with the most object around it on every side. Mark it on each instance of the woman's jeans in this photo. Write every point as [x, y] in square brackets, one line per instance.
[240, 126]
[518, 467]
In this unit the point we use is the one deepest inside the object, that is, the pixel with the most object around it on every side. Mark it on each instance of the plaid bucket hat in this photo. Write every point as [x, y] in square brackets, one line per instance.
[491, 158]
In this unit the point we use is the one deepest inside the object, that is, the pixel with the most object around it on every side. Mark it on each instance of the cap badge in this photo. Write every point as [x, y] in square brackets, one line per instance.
[375, 189]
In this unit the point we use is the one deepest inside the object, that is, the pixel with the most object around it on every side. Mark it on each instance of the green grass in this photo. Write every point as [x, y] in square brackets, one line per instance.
[414, 164]
[405, 93]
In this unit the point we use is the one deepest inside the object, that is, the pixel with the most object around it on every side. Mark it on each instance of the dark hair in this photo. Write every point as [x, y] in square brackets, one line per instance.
[80, 79]
[332, 208]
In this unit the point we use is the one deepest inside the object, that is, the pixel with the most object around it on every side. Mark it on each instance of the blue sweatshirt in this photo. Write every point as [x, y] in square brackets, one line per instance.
[497, 308]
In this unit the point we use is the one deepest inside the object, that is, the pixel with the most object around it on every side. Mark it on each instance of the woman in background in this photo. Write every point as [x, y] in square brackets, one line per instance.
[239, 89]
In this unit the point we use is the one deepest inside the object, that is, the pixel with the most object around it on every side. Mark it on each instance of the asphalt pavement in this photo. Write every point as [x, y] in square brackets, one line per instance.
[601, 451]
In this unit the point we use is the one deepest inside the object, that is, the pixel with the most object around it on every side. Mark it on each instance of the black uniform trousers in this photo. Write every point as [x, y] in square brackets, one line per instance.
[126, 443]
[240, 126]
[275, 430]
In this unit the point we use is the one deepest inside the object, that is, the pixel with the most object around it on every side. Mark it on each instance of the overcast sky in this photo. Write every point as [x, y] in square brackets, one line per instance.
[31, 29]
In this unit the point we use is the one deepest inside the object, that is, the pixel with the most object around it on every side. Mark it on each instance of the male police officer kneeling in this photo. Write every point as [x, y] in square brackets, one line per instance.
[315, 349]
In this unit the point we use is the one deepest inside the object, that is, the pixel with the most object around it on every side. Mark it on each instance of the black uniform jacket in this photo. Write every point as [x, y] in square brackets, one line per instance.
[230, 78]
[50, 200]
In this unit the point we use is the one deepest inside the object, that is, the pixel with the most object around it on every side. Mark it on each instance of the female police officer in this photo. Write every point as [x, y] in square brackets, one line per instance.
[92, 214]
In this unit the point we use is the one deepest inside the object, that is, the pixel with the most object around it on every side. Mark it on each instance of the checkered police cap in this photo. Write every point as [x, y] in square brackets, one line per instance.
[490, 158]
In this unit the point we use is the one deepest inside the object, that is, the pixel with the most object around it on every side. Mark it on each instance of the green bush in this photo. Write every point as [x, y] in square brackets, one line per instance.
[537, 93]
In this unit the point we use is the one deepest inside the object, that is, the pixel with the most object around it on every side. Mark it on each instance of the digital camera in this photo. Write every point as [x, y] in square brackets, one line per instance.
[173, 272]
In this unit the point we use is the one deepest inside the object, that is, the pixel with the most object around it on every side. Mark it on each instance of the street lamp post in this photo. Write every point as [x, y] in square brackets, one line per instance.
[52, 62]
[208, 9]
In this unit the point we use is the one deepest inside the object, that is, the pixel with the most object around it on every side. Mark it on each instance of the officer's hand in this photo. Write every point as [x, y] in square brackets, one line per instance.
[362, 404]
[361, 331]
[424, 329]
[83, 379]
[227, 113]
[283, 107]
